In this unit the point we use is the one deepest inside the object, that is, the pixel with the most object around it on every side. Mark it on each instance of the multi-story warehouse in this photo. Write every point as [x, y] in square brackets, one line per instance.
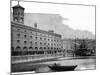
[26, 40]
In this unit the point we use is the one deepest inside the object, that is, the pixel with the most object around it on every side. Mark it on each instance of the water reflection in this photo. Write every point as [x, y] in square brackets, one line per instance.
[82, 64]
[43, 68]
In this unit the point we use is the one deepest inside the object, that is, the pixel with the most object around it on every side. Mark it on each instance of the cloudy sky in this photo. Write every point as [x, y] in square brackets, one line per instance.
[76, 16]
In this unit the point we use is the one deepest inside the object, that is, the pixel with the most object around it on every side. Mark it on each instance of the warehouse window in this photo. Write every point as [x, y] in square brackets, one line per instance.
[36, 47]
[18, 48]
[30, 48]
[18, 41]
[36, 43]
[40, 38]
[48, 44]
[25, 48]
[30, 42]
[36, 38]
[18, 29]
[44, 43]
[40, 43]
[25, 36]
[51, 40]
[51, 43]
[40, 47]
[25, 42]
[18, 35]
[44, 47]
[12, 48]
[30, 36]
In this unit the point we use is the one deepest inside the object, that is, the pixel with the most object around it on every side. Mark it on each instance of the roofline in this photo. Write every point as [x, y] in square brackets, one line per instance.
[34, 29]
[19, 6]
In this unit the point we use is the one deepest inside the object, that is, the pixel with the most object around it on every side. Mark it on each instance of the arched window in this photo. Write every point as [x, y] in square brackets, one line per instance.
[40, 38]
[35, 43]
[30, 48]
[25, 42]
[25, 36]
[44, 47]
[55, 51]
[54, 48]
[18, 35]
[44, 43]
[31, 42]
[40, 47]
[18, 41]
[25, 48]
[30, 36]
[36, 47]
[36, 38]
[18, 48]
[40, 43]
[12, 48]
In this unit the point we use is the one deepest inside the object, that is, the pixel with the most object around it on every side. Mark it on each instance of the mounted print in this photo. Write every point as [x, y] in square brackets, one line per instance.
[52, 37]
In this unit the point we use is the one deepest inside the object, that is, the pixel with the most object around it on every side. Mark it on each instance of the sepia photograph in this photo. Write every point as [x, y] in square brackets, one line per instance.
[52, 37]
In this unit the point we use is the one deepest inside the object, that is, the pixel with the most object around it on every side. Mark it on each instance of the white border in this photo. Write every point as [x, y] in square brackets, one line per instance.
[5, 37]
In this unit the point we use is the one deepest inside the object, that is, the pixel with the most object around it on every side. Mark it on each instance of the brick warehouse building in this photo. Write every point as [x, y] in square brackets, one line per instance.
[26, 40]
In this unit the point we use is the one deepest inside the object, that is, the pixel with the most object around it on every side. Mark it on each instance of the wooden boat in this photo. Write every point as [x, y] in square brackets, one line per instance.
[57, 67]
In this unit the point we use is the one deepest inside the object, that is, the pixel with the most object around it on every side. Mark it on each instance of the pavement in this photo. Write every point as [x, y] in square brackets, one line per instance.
[43, 59]
[21, 60]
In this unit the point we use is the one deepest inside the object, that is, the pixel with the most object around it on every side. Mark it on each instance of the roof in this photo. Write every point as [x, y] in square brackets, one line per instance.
[18, 6]
[33, 29]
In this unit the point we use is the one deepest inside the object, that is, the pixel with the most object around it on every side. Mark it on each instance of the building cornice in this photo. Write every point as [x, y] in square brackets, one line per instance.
[33, 29]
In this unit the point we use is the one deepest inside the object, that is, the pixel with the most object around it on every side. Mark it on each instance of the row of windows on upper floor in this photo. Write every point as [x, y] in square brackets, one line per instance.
[37, 43]
[36, 33]
[36, 38]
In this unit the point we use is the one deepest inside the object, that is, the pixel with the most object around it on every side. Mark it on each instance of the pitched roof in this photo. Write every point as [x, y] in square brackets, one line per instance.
[18, 6]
